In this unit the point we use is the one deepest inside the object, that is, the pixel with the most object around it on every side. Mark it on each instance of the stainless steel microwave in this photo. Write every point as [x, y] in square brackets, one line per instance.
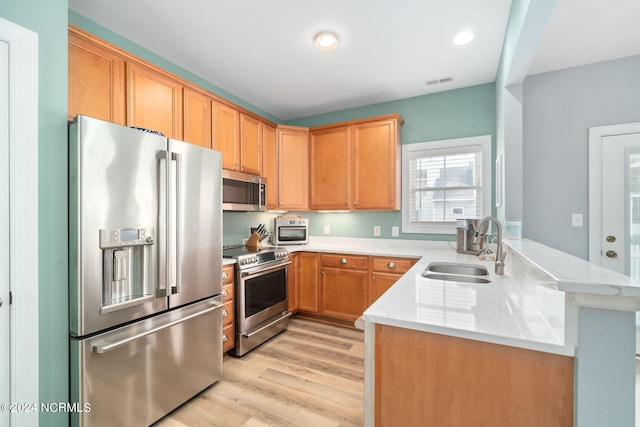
[243, 192]
[291, 230]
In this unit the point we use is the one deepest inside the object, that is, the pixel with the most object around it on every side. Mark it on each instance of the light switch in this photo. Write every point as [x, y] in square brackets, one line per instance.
[395, 231]
[576, 220]
[327, 229]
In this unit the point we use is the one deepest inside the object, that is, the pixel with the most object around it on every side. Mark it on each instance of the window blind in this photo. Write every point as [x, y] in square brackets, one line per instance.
[445, 184]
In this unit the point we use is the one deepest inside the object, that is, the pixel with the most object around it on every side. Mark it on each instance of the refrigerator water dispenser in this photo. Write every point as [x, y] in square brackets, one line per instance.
[126, 267]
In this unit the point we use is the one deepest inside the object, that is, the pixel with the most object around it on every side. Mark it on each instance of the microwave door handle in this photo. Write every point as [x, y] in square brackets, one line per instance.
[177, 221]
[163, 247]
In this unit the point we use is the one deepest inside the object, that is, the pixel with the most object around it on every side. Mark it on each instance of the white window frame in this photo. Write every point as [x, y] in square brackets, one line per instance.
[484, 141]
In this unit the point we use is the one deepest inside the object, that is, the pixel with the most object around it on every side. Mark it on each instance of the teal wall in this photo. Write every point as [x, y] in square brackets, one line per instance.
[48, 18]
[445, 115]
[139, 51]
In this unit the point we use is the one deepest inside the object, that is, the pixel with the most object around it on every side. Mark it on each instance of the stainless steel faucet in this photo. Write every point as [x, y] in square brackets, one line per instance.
[500, 255]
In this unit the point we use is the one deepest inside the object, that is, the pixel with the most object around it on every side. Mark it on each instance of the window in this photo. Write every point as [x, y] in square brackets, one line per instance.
[443, 181]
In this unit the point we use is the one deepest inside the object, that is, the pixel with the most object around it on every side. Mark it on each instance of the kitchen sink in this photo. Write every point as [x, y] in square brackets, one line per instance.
[457, 272]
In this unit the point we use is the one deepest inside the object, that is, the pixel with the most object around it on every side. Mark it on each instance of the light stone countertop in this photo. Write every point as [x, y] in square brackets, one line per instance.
[524, 308]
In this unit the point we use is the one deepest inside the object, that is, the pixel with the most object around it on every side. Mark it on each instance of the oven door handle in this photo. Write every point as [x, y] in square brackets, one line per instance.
[250, 334]
[246, 274]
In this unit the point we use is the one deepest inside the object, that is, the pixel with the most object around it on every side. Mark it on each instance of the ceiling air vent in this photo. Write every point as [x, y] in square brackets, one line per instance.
[437, 81]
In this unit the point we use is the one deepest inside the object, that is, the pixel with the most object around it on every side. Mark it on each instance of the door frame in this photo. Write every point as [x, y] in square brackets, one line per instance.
[23, 217]
[596, 141]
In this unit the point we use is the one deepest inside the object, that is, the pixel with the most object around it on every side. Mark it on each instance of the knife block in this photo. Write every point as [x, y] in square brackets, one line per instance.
[253, 244]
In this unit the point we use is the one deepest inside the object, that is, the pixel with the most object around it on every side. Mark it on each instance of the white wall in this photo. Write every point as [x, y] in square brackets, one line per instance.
[558, 109]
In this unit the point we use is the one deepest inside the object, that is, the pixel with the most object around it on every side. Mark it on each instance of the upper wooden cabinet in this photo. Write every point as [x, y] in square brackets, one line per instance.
[293, 168]
[226, 134]
[197, 117]
[239, 137]
[250, 145]
[96, 80]
[154, 100]
[111, 84]
[270, 164]
[376, 164]
[356, 165]
[330, 167]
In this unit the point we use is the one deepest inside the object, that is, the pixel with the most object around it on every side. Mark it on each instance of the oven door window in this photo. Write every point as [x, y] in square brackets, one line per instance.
[265, 291]
[292, 234]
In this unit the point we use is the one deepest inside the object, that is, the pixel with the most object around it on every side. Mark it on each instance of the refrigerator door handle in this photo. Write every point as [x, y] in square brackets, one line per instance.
[177, 157]
[163, 235]
[106, 347]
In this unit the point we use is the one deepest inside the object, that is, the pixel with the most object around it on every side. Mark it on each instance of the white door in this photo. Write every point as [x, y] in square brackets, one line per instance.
[4, 231]
[620, 236]
[620, 240]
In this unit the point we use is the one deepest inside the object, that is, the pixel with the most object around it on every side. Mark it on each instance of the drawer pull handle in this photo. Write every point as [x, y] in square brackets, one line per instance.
[225, 276]
[225, 293]
[224, 313]
[224, 338]
[391, 265]
[343, 261]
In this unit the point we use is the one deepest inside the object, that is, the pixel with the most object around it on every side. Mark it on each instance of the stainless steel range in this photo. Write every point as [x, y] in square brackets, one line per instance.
[261, 295]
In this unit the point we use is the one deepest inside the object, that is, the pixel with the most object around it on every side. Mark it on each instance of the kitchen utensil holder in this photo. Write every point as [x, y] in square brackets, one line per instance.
[253, 244]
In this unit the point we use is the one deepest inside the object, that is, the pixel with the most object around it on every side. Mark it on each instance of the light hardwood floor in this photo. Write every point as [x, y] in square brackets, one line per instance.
[309, 375]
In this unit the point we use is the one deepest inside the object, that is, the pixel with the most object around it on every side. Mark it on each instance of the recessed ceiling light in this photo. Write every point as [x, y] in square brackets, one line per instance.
[326, 41]
[463, 37]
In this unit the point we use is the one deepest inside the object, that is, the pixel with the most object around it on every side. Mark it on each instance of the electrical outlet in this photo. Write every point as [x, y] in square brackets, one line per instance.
[395, 231]
[376, 230]
[327, 229]
[576, 220]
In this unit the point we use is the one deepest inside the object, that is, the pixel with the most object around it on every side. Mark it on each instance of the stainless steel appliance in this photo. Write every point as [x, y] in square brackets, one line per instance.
[145, 245]
[261, 296]
[243, 192]
[291, 230]
[466, 230]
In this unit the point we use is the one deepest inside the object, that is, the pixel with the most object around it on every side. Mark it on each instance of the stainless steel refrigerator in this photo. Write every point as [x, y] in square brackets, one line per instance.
[145, 242]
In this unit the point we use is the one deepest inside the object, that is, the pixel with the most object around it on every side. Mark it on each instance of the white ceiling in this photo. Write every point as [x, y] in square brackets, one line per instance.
[262, 52]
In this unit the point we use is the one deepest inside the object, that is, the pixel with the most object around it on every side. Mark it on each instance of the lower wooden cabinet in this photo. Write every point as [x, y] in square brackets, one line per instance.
[343, 281]
[384, 273]
[340, 287]
[292, 294]
[308, 295]
[228, 314]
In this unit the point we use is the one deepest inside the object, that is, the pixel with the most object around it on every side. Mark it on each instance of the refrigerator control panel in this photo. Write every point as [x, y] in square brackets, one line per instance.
[119, 237]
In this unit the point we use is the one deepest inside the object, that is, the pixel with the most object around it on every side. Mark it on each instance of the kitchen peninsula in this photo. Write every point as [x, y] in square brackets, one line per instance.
[551, 341]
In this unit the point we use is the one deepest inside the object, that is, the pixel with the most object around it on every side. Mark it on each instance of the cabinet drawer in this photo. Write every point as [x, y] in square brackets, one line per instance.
[227, 274]
[392, 265]
[228, 337]
[227, 293]
[344, 261]
[227, 313]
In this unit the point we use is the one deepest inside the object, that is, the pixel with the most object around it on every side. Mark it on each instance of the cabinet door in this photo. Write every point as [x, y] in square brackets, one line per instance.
[96, 78]
[376, 169]
[197, 118]
[250, 145]
[270, 164]
[344, 293]
[226, 136]
[379, 284]
[292, 295]
[307, 282]
[330, 164]
[154, 100]
[293, 168]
